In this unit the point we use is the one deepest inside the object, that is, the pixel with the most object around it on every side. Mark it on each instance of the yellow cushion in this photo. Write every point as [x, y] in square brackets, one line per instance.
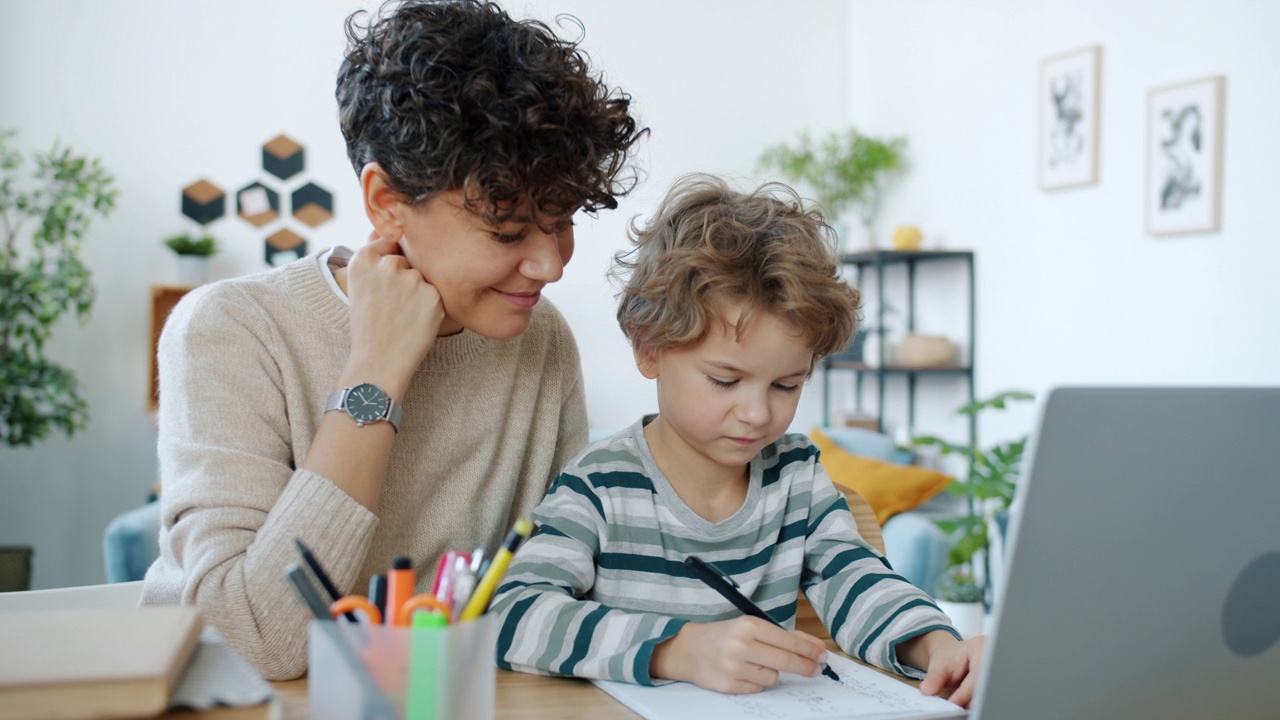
[888, 488]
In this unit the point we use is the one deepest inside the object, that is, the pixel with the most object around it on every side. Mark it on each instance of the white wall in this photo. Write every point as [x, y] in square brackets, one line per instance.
[166, 93]
[1070, 287]
[1070, 290]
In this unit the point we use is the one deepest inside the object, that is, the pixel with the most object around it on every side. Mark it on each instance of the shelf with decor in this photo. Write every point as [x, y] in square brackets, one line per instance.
[878, 365]
[163, 299]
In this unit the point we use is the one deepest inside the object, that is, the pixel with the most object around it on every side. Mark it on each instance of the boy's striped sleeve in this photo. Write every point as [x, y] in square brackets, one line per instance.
[546, 626]
[868, 608]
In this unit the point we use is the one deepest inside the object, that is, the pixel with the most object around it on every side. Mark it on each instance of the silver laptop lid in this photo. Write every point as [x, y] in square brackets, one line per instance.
[1143, 577]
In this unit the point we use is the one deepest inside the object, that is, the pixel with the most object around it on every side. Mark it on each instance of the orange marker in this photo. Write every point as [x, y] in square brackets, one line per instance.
[400, 584]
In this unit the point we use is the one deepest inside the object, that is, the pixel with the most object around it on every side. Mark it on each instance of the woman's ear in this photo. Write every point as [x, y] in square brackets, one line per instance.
[382, 204]
[646, 360]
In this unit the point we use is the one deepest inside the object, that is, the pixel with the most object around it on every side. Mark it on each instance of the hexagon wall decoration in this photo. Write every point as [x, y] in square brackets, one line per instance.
[203, 201]
[257, 204]
[283, 157]
[312, 205]
[283, 247]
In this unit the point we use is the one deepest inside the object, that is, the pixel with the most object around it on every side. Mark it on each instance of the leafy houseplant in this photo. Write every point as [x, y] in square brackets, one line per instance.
[992, 474]
[844, 170]
[958, 585]
[41, 279]
[186, 244]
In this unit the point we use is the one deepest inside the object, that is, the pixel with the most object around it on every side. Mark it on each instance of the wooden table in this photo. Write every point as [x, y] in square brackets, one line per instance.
[521, 696]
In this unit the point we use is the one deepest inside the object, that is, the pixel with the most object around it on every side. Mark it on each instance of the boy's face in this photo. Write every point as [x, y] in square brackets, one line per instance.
[489, 278]
[722, 399]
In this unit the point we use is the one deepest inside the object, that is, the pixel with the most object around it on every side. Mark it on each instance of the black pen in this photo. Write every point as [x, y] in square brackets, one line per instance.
[725, 585]
[318, 570]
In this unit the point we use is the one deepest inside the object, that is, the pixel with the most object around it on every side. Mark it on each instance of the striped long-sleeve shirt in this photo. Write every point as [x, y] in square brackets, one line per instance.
[602, 581]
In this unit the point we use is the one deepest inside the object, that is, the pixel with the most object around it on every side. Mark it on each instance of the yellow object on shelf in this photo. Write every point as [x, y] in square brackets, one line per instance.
[907, 237]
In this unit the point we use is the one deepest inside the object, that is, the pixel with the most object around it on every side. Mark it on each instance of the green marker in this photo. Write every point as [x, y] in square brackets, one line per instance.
[426, 697]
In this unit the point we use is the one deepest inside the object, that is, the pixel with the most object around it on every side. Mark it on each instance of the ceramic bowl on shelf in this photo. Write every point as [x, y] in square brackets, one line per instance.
[926, 351]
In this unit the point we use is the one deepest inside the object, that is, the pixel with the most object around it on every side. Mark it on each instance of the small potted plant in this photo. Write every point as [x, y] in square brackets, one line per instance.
[193, 256]
[962, 592]
[844, 170]
[959, 595]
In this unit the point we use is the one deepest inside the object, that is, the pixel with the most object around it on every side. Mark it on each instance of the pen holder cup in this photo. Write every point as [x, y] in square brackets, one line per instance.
[381, 672]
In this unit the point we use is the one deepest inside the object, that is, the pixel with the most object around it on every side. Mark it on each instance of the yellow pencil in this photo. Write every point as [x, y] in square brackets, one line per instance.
[479, 601]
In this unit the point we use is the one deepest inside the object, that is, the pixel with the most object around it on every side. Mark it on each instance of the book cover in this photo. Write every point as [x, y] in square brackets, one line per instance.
[99, 663]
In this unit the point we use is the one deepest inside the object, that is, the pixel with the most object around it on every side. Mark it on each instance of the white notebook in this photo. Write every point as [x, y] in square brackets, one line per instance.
[862, 693]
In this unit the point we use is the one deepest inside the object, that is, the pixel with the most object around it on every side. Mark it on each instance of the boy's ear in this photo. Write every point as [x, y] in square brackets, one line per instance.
[382, 205]
[646, 360]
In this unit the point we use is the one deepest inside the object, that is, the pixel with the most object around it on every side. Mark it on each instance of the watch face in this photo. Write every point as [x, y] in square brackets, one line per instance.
[366, 403]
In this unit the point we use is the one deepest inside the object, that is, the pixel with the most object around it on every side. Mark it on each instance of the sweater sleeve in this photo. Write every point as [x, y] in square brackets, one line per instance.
[232, 501]
[867, 607]
[547, 625]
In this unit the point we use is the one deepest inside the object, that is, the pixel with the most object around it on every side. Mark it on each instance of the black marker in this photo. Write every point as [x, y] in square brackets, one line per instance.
[318, 570]
[307, 592]
[378, 592]
[727, 588]
[375, 705]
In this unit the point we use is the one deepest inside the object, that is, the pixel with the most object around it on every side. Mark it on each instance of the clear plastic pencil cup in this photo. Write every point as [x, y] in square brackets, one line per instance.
[389, 672]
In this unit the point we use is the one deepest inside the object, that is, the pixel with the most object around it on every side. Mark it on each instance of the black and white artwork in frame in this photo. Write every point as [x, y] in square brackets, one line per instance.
[1184, 157]
[1069, 118]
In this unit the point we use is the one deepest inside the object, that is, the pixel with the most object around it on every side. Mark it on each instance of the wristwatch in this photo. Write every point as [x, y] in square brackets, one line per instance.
[366, 403]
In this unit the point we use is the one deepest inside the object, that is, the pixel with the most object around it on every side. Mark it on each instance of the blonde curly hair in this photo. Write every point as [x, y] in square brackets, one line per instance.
[709, 247]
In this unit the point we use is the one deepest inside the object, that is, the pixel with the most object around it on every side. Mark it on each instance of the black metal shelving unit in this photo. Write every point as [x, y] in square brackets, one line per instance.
[876, 261]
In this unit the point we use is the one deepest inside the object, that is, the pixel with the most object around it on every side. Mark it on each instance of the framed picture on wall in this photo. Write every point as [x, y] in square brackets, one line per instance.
[1184, 156]
[1069, 112]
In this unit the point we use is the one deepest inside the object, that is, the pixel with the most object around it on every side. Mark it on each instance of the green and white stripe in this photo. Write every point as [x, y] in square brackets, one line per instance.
[602, 582]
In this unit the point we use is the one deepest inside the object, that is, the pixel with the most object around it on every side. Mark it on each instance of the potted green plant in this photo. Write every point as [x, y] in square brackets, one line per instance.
[988, 489]
[43, 278]
[844, 170]
[193, 256]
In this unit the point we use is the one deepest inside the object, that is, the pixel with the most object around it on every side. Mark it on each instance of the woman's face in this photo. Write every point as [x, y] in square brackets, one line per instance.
[489, 277]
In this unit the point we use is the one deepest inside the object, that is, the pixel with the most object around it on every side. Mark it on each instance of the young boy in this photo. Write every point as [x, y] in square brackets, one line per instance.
[732, 300]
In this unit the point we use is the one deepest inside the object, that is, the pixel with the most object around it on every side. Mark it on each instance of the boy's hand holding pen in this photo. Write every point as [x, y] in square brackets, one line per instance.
[742, 655]
[728, 589]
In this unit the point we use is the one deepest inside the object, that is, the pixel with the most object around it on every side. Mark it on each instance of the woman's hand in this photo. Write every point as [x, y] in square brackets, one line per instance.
[395, 317]
[743, 655]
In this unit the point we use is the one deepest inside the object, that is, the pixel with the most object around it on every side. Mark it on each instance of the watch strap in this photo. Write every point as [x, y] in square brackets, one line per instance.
[395, 413]
[337, 400]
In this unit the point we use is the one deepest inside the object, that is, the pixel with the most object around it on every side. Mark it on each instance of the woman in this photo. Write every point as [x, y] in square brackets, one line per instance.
[414, 396]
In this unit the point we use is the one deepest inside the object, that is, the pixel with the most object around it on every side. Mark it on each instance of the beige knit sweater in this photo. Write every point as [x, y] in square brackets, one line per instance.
[245, 368]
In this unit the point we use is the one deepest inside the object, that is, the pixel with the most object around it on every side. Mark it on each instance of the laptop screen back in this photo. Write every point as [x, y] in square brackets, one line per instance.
[1143, 576]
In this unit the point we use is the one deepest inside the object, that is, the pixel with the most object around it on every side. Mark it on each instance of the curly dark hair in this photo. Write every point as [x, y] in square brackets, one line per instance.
[709, 247]
[456, 94]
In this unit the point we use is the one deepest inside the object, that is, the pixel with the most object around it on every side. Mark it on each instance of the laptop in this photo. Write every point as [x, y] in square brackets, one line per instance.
[1143, 575]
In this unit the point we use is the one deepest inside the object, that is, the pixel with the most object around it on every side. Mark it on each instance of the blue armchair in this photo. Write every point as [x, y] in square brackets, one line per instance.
[132, 542]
